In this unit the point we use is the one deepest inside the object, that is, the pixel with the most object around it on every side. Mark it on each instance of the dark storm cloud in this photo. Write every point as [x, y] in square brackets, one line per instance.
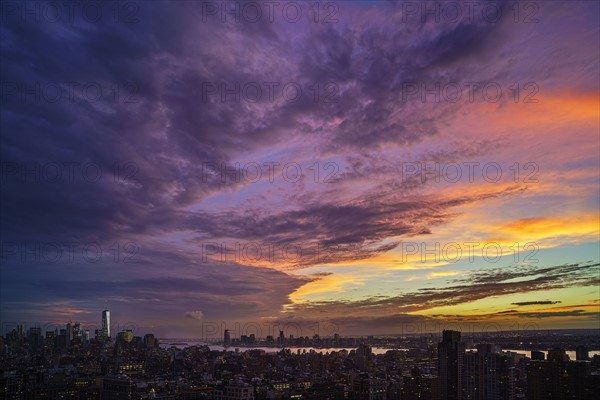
[109, 131]
[344, 231]
[169, 131]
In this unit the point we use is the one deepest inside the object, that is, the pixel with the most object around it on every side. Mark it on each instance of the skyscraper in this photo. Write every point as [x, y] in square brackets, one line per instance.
[106, 324]
[451, 353]
[77, 333]
[364, 357]
[69, 334]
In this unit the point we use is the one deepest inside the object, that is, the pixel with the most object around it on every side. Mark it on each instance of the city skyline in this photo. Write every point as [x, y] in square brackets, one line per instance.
[367, 168]
[280, 337]
[444, 366]
[252, 335]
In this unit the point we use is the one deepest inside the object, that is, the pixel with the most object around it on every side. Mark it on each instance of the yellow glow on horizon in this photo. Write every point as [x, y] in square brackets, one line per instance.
[335, 283]
[569, 299]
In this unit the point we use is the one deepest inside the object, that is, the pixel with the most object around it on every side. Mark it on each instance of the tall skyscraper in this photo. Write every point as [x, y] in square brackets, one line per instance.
[150, 341]
[69, 334]
[106, 324]
[76, 330]
[364, 357]
[35, 337]
[451, 353]
[20, 332]
[226, 338]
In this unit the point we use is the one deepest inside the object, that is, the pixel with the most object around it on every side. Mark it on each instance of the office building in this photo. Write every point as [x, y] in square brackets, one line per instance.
[367, 388]
[538, 355]
[488, 375]
[451, 351]
[125, 336]
[116, 387]
[150, 341]
[69, 334]
[106, 324]
[557, 378]
[582, 353]
[237, 391]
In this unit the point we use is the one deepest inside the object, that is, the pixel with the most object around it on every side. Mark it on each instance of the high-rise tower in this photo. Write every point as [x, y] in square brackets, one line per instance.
[106, 324]
[451, 353]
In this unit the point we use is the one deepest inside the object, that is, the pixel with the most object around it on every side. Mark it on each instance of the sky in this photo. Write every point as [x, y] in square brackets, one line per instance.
[359, 168]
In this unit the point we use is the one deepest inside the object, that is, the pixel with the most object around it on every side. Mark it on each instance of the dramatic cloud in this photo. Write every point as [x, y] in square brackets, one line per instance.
[474, 286]
[176, 162]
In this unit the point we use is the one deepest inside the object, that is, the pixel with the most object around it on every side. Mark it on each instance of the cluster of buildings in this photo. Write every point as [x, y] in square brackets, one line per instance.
[489, 373]
[336, 341]
[72, 335]
[69, 365]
